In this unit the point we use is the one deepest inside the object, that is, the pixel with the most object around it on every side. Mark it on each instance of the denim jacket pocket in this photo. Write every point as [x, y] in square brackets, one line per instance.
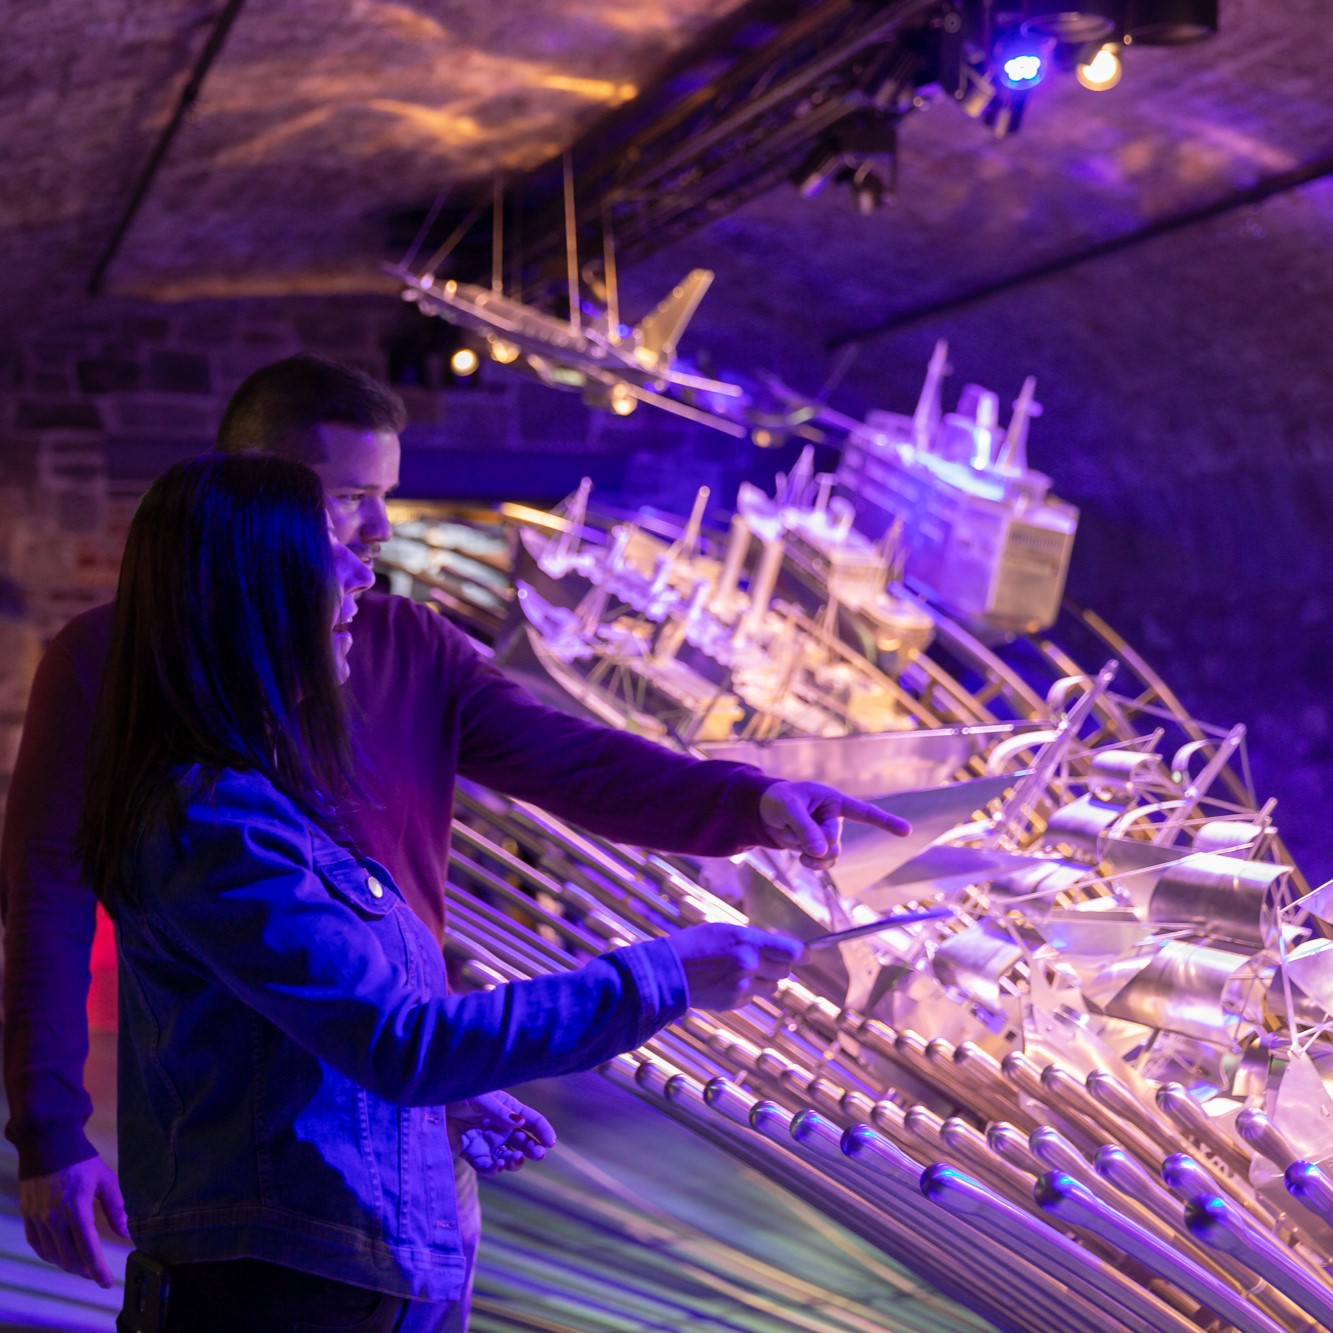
[368, 894]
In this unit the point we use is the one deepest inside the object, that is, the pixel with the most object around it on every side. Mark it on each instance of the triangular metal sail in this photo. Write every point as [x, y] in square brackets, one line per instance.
[870, 854]
[869, 764]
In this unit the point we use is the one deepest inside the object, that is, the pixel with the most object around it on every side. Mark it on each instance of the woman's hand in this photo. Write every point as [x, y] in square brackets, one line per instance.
[496, 1132]
[726, 966]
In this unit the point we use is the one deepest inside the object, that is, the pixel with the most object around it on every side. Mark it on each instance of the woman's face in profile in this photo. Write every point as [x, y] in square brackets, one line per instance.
[353, 577]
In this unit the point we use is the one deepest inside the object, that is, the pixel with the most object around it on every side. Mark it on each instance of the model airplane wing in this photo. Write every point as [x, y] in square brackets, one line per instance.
[658, 332]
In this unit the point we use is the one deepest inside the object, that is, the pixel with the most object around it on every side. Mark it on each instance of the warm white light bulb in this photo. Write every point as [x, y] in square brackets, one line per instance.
[503, 352]
[464, 361]
[623, 401]
[1102, 71]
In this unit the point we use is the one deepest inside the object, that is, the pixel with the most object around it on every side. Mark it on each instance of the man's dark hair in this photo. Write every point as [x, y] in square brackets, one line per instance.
[221, 654]
[279, 408]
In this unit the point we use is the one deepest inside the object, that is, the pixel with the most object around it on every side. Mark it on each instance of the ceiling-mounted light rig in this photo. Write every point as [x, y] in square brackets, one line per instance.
[859, 151]
[990, 53]
[708, 140]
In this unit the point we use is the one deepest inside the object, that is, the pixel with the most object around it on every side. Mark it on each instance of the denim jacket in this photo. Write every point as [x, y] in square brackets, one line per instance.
[287, 1046]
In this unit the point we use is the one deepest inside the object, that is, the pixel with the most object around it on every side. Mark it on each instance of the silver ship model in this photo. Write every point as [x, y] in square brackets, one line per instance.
[1092, 1093]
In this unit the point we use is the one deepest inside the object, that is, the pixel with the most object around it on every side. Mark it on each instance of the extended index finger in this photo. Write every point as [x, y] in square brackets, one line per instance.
[865, 813]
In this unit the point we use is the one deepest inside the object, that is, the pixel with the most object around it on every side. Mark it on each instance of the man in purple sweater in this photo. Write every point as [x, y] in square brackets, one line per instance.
[430, 708]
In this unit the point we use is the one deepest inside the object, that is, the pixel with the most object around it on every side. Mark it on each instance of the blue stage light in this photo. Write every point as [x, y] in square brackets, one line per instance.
[1021, 68]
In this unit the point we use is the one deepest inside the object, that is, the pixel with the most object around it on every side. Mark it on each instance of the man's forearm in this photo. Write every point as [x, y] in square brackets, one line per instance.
[615, 784]
[48, 939]
[50, 917]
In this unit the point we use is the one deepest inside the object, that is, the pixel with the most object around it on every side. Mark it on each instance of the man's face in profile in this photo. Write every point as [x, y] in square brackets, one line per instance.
[359, 470]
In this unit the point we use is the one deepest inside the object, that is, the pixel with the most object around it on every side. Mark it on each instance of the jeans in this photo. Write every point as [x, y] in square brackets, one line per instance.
[259, 1297]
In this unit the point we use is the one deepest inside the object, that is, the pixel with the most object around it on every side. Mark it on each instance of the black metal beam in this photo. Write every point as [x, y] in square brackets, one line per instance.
[189, 95]
[674, 160]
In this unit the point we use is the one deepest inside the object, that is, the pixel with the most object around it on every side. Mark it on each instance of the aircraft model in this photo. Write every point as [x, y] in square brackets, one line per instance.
[612, 366]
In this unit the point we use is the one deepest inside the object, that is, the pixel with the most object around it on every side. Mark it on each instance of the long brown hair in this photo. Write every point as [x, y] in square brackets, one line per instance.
[221, 654]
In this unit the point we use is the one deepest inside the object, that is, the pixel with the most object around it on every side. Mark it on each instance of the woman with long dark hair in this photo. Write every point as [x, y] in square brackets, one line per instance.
[287, 1043]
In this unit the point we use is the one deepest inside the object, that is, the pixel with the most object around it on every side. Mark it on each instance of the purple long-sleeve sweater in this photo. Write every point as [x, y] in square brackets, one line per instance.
[429, 709]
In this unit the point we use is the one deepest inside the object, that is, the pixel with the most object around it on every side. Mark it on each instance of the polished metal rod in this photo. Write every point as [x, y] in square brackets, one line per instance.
[1008, 1226]
[1061, 1195]
[1175, 1101]
[1258, 1130]
[1070, 1094]
[1033, 1293]
[1187, 1178]
[876, 927]
[1120, 1100]
[1308, 1183]
[1218, 1222]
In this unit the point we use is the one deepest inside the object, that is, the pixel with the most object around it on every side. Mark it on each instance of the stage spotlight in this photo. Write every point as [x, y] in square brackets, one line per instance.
[1100, 69]
[503, 352]
[623, 402]
[1075, 21]
[464, 362]
[1169, 22]
[1020, 62]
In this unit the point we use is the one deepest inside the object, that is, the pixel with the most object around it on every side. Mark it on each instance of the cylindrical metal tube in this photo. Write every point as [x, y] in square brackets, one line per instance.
[1159, 1135]
[971, 1149]
[1176, 1102]
[1218, 1222]
[1186, 1179]
[1262, 1134]
[1308, 1183]
[1034, 1296]
[1221, 896]
[1008, 1226]
[1063, 1196]
[1012, 1144]
[1072, 1097]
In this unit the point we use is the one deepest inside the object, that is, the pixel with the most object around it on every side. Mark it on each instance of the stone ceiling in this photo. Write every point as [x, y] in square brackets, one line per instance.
[317, 123]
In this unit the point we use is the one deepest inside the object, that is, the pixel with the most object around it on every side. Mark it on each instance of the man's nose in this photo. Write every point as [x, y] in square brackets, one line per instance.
[375, 526]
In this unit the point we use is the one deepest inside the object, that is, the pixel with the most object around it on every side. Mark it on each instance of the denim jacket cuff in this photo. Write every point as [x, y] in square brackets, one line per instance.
[659, 978]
